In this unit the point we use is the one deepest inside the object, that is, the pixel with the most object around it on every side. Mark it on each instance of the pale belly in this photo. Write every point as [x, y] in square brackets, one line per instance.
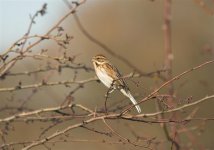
[104, 78]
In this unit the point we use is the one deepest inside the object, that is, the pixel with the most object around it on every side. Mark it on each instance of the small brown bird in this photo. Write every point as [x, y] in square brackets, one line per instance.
[110, 77]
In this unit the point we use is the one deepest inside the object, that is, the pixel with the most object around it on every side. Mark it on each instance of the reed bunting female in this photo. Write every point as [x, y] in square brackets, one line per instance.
[110, 77]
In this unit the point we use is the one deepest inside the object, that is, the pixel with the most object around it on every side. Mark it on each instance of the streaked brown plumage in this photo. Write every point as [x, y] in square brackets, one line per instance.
[110, 77]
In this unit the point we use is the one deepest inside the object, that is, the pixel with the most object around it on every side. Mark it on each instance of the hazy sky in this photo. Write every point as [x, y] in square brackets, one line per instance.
[14, 18]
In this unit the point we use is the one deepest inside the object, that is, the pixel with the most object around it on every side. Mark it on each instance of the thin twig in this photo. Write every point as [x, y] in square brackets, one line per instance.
[166, 83]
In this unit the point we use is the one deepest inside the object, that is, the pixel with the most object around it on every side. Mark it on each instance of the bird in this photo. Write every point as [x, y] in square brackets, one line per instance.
[109, 75]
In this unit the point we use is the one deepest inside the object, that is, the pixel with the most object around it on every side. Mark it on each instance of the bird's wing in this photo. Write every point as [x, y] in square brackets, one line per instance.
[115, 74]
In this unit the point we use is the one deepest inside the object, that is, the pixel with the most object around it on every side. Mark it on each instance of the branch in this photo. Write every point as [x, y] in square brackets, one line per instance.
[178, 108]
[36, 112]
[65, 82]
[11, 63]
[100, 116]
[43, 84]
[166, 83]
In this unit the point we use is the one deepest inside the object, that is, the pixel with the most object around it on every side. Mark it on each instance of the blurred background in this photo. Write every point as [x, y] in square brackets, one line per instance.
[132, 29]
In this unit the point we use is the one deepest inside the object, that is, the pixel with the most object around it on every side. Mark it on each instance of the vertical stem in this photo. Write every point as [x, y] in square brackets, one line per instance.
[170, 133]
[167, 41]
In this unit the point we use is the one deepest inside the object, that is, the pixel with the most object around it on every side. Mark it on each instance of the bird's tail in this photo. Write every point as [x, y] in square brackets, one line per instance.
[128, 94]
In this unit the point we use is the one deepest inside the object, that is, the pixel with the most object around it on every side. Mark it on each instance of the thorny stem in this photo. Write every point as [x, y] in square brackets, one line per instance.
[168, 65]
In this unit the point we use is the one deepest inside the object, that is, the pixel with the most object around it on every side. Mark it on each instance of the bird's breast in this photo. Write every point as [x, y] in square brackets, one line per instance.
[104, 77]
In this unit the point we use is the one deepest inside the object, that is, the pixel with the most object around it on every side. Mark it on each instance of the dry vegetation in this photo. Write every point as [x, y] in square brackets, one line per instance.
[169, 112]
